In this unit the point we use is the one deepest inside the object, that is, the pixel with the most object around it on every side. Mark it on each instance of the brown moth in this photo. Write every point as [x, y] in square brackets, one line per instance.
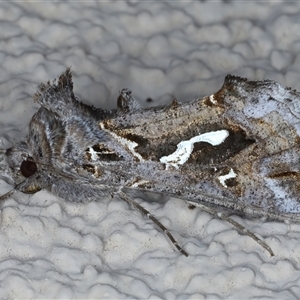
[234, 152]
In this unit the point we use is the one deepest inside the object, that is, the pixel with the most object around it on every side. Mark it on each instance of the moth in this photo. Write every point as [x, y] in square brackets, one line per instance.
[233, 152]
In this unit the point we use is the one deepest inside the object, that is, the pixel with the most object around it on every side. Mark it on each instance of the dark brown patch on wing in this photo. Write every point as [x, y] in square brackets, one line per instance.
[102, 152]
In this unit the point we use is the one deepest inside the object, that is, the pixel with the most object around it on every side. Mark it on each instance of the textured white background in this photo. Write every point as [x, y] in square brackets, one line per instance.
[54, 249]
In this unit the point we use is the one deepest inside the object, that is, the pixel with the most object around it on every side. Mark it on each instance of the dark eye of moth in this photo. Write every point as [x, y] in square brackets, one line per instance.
[28, 167]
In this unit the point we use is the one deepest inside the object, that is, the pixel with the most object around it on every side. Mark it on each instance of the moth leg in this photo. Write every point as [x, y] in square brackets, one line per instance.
[237, 225]
[246, 231]
[152, 217]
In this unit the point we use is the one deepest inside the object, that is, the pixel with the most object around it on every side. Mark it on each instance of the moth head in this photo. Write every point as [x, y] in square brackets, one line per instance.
[22, 168]
[24, 156]
[59, 134]
[27, 159]
[18, 158]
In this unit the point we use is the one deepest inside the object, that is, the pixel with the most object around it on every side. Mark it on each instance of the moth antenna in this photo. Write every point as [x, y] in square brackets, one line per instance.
[6, 195]
[154, 220]
[237, 225]
[18, 187]
[9, 193]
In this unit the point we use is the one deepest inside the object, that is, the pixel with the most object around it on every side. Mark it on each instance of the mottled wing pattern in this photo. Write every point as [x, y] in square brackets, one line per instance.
[253, 170]
[235, 150]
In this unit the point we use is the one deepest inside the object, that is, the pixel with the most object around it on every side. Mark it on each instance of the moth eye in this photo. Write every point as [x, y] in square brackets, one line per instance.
[28, 167]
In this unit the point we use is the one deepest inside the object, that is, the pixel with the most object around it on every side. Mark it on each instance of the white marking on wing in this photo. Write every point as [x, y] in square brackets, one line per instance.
[93, 153]
[185, 148]
[127, 143]
[138, 183]
[223, 178]
[212, 99]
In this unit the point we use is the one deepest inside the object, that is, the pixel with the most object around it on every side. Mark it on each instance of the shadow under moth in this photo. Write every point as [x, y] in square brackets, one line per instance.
[233, 152]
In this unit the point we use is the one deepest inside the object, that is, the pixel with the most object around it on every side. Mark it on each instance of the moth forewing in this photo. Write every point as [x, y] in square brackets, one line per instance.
[258, 142]
[236, 150]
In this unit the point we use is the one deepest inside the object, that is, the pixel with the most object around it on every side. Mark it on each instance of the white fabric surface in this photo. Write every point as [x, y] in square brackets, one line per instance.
[54, 249]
